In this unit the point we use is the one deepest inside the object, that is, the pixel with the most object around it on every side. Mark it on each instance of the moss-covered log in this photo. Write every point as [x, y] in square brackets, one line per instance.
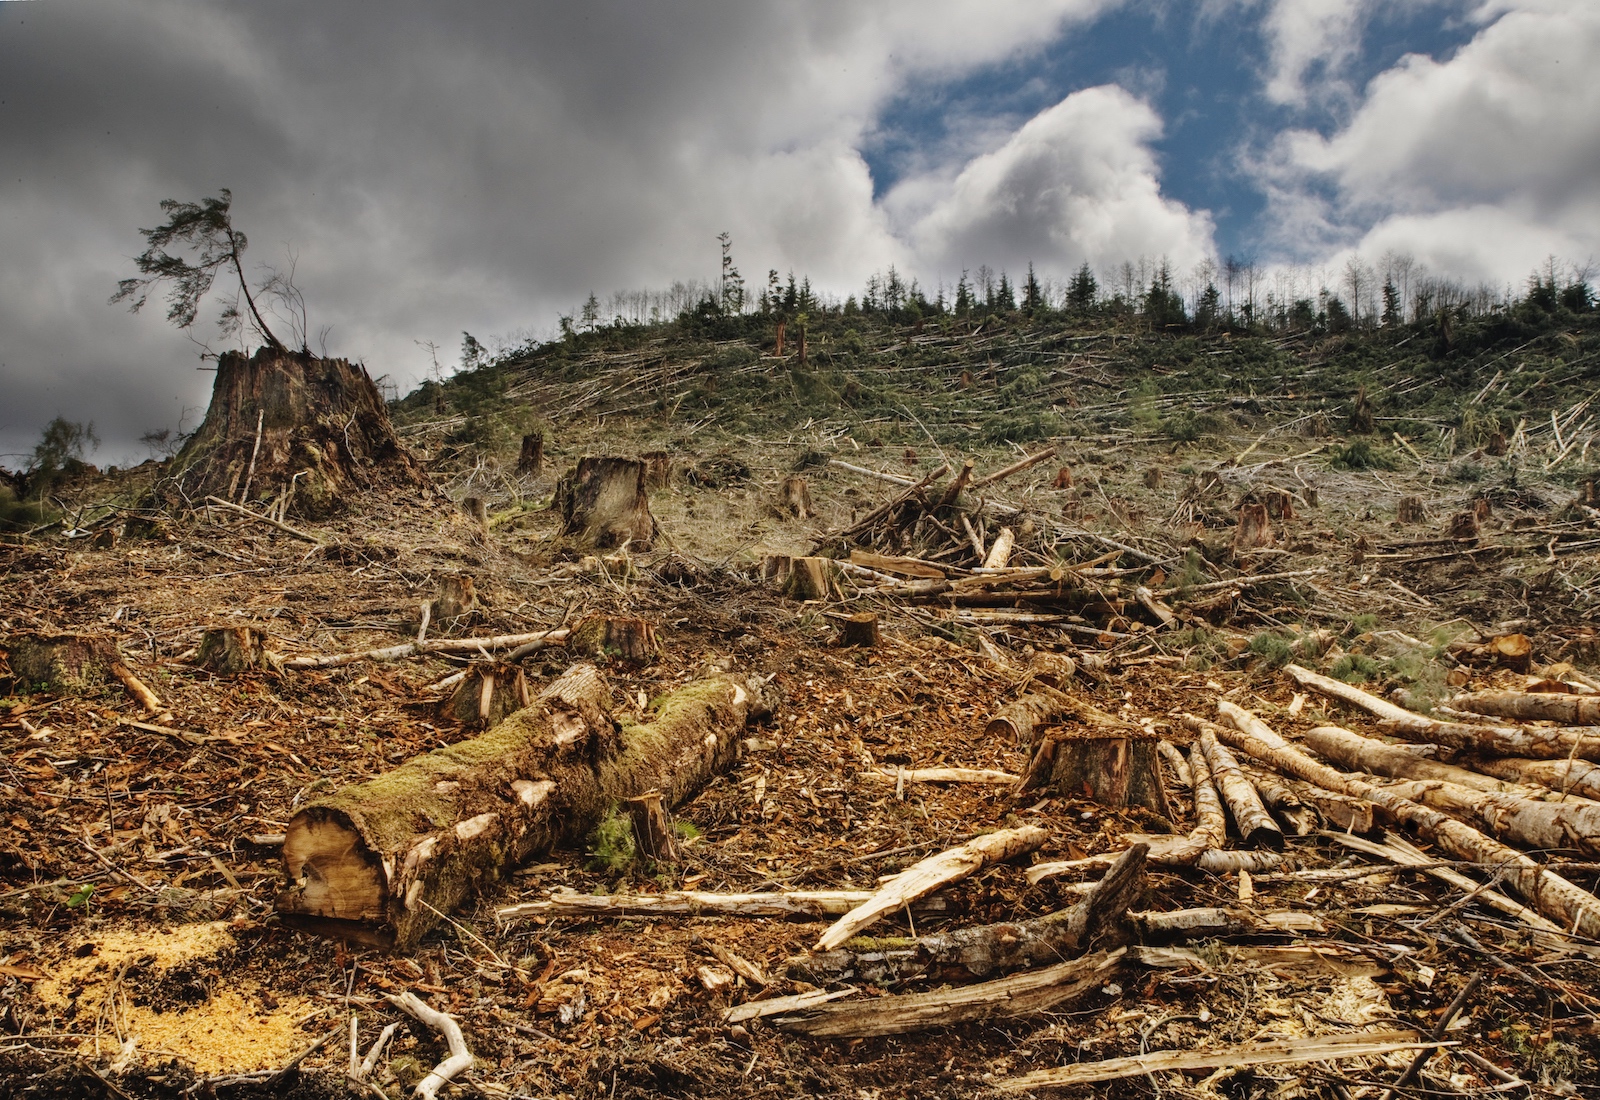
[382, 861]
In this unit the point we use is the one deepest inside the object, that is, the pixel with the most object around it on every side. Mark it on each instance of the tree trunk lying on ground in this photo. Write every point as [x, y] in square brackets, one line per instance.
[1543, 743]
[1285, 801]
[1367, 754]
[1553, 896]
[1578, 777]
[1255, 825]
[989, 949]
[1538, 706]
[692, 903]
[382, 861]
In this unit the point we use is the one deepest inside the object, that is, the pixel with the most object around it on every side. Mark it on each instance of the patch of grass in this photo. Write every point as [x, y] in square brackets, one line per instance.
[1188, 426]
[611, 846]
[1363, 454]
[1361, 624]
[1355, 668]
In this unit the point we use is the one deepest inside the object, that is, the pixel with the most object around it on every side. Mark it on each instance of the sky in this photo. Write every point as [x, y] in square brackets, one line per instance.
[431, 169]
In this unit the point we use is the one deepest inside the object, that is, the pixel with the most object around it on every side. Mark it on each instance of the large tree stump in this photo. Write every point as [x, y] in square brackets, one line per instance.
[1254, 530]
[383, 861]
[1464, 525]
[452, 608]
[615, 638]
[70, 663]
[794, 497]
[860, 629]
[603, 504]
[230, 650]
[530, 463]
[485, 698]
[1410, 510]
[314, 432]
[1116, 769]
[812, 579]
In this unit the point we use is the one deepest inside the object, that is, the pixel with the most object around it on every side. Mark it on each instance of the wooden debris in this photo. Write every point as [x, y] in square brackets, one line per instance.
[441, 645]
[1255, 825]
[603, 504]
[630, 640]
[380, 862]
[1283, 800]
[1014, 468]
[1113, 768]
[931, 874]
[142, 694]
[1213, 922]
[1410, 510]
[230, 650]
[1254, 530]
[1000, 552]
[1564, 777]
[530, 462]
[1539, 742]
[988, 949]
[1542, 706]
[812, 579]
[776, 1006]
[460, 1058]
[691, 903]
[1549, 893]
[295, 532]
[455, 601]
[1283, 1052]
[946, 775]
[1023, 994]
[1366, 754]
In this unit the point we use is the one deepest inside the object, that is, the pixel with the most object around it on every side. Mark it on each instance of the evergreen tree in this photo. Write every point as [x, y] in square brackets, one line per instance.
[963, 295]
[591, 313]
[731, 287]
[1208, 309]
[1082, 291]
[1032, 299]
[791, 297]
[1162, 305]
[1005, 298]
[1392, 311]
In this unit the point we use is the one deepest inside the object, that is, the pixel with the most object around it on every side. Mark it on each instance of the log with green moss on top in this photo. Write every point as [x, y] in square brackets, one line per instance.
[383, 861]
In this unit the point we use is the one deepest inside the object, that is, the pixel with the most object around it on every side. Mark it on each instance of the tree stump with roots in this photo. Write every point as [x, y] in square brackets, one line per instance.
[794, 497]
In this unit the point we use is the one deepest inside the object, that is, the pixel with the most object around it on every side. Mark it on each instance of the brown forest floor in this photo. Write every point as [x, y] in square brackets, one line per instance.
[176, 942]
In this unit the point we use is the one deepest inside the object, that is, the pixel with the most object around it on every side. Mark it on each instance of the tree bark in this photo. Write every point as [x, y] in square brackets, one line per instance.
[1114, 769]
[1367, 754]
[690, 903]
[1570, 710]
[860, 630]
[1255, 825]
[1543, 743]
[1578, 777]
[1410, 510]
[72, 663]
[603, 504]
[382, 861]
[1254, 529]
[812, 579]
[230, 650]
[1286, 801]
[615, 638]
[1559, 900]
[454, 604]
[1000, 552]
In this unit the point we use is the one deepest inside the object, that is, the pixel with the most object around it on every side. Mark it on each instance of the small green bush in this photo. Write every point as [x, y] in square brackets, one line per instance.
[611, 846]
[1355, 668]
[1362, 454]
[1274, 650]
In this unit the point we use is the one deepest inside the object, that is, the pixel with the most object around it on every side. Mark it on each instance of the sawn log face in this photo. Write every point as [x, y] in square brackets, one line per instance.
[383, 861]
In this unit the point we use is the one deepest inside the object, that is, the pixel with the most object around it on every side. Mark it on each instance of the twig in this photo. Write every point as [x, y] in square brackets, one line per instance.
[268, 520]
[460, 1057]
[270, 1085]
[1437, 1034]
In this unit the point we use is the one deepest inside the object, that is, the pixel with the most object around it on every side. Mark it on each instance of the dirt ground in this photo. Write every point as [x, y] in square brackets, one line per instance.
[139, 953]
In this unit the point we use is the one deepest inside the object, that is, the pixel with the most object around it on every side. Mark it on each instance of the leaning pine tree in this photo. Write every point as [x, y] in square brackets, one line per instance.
[283, 425]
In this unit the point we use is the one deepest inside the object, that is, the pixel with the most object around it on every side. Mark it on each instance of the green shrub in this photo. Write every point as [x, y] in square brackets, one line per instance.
[611, 846]
[1274, 650]
[1355, 668]
[1362, 454]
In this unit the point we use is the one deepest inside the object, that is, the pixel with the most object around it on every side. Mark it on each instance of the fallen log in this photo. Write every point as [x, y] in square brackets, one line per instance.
[1559, 900]
[1283, 800]
[1284, 1052]
[141, 693]
[693, 903]
[922, 879]
[1017, 995]
[1255, 825]
[1544, 743]
[1579, 777]
[1544, 826]
[382, 861]
[1213, 922]
[439, 645]
[1014, 468]
[945, 775]
[989, 949]
[1368, 754]
[1538, 706]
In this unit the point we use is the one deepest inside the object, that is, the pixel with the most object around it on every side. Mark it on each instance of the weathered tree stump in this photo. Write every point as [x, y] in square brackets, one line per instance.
[657, 469]
[1152, 477]
[777, 567]
[812, 579]
[615, 638]
[1496, 446]
[603, 504]
[860, 629]
[1280, 505]
[1254, 530]
[1113, 768]
[381, 862]
[1361, 413]
[1482, 509]
[315, 431]
[652, 827]
[794, 497]
[230, 650]
[531, 462]
[477, 511]
[1063, 479]
[71, 663]
[1464, 525]
[485, 698]
[452, 608]
[1410, 510]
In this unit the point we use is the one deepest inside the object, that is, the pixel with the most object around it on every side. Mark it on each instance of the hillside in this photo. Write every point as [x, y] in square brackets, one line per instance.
[1207, 509]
